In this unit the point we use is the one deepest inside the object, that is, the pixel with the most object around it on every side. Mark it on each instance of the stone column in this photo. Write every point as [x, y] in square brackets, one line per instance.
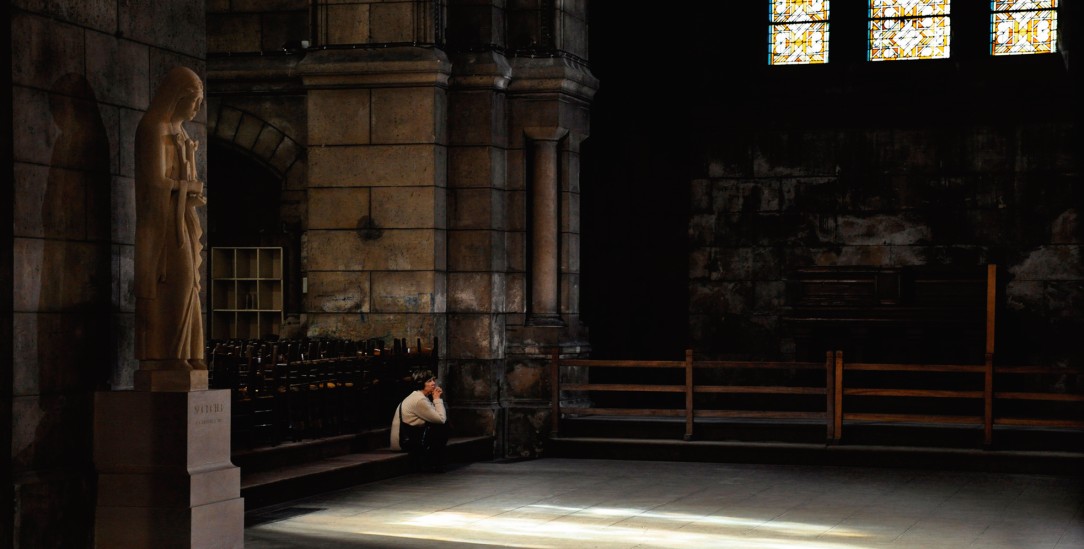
[545, 206]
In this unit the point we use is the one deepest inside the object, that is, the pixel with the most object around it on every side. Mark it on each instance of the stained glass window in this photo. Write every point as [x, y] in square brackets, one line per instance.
[798, 32]
[1019, 27]
[908, 29]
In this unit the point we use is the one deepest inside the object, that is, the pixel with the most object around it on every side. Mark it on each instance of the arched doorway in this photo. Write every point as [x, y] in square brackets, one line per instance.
[244, 209]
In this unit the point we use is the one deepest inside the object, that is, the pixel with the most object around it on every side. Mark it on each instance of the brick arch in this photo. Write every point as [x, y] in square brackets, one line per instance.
[261, 140]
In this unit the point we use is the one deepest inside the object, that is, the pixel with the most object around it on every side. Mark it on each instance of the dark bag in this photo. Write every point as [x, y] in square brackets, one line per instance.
[412, 438]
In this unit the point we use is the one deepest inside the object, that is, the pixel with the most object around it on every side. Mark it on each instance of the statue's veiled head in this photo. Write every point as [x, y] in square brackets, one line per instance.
[179, 96]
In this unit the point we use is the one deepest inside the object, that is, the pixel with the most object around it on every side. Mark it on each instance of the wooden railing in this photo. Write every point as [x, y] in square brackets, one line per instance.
[853, 393]
[690, 389]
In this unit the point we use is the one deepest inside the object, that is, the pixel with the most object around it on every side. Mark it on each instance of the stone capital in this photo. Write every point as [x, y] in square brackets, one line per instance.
[552, 75]
[544, 133]
[488, 70]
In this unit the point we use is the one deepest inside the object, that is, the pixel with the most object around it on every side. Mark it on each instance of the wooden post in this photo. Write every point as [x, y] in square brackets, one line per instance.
[555, 389]
[688, 394]
[988, 382]
[838, 397]
[830, 391]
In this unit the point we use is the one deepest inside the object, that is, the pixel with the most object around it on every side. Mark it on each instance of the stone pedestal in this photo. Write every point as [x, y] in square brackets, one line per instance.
[165, 478]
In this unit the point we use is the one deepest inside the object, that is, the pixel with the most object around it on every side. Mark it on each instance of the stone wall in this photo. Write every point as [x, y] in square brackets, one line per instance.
[82, 75]
[887, 197]
[954, 175]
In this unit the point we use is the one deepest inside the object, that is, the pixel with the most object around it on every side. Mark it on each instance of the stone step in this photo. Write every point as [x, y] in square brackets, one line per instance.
[794, 453]
[279, 474]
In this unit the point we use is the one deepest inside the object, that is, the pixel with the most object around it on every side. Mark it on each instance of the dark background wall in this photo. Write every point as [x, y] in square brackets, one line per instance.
[712, 177]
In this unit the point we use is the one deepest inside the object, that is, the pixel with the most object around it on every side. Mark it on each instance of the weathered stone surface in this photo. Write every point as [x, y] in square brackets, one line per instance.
[526, 379]
[391, 22]
[123, 278]
[248, 130]
[738, 196]
[769, 296]
[1054, 262]
[526, 429]
[177, 26]
[60, 275]
[478, 166]
[473, 381]
[573, 32]
[122, 207]
[516, 250]
[377, 165]
[569, 293]
[410, 207]
[1066, 228]
[268, 5]
[338, 207]
[229, 119]
[52, 430]
[724, 298]
[407, 115]
[267, 142]
[570, 253]
[569, 215]
[475, 336]
[475, 118]
[44, 50]
[881, 230]
[516, 204]
[474, 250]
[339, 117]
[475, 208]
[475, 292]
[117, 70]
[123, 371]
[516, 292]
[408, 292]
[516, 173]
[37, 133]
[347, 23]
[382, 326]
[339, 292]
[400, 249]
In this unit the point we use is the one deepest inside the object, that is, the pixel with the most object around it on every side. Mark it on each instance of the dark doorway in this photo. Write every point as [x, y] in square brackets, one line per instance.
[242, 200]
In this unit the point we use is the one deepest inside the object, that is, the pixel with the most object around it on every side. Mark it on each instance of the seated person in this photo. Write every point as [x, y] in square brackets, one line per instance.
[423, 408]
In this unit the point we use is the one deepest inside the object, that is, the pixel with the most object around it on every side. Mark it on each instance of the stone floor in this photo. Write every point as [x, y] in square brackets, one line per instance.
[642, 504]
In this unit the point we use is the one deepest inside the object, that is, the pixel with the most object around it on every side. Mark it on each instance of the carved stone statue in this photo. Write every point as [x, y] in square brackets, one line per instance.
[169, 320]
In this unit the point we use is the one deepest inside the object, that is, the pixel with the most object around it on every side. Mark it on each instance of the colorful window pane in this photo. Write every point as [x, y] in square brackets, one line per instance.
[798, 32]
[909, 29]
[1023, 27]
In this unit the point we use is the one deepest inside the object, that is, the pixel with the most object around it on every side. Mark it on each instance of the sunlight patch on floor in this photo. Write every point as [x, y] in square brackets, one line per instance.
[559, 526]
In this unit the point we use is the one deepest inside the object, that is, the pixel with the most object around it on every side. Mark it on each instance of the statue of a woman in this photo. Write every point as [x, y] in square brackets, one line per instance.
[169, 320]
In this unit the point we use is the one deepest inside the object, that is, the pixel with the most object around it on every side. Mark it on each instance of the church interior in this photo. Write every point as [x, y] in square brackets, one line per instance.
[799, 232]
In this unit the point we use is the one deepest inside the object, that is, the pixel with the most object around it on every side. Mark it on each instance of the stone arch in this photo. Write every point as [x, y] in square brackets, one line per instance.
[258, 138]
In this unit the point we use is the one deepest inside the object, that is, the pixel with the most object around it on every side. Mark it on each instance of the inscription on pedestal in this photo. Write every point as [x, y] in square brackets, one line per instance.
[208, 414]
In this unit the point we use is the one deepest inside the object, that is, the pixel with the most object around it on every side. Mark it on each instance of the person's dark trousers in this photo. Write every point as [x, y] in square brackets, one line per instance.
[432, 458]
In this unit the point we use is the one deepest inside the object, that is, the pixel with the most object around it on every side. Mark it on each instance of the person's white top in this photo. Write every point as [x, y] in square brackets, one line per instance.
[417, 409]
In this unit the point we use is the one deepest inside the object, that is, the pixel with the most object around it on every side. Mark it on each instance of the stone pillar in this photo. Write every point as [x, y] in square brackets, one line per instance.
[375, 247]
[478, 257]
[545, 207]
[549, 100]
